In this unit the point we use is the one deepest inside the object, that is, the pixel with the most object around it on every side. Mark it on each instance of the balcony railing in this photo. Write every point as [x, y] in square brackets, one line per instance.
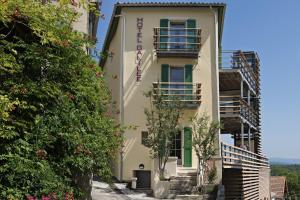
[177, 42]
[245, 174]
[247, 63]
[235, 105]
[237, 157]
[189, 94]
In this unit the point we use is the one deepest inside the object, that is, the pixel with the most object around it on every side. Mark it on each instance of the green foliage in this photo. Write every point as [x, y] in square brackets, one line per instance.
[292, 173]
[162, 123]
[212, 175]
[204, 136]
[54, 126]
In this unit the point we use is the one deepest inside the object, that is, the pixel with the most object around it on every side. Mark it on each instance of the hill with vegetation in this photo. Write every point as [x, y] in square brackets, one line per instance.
[292, 173]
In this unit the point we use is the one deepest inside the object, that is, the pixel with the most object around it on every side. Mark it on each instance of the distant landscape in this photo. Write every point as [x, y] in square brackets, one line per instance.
[290, 169]
[286, 161]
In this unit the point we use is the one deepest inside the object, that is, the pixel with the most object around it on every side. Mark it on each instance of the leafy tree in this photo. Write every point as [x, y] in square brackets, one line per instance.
[204, 136]
[54, 127]
[162, 123]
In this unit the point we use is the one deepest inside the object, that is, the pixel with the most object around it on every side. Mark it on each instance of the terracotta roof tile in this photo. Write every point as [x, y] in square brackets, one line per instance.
[278, 184]
[169, 4]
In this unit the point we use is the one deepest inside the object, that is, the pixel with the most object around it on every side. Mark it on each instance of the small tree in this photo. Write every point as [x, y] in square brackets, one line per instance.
[204, 137]
[162, 124]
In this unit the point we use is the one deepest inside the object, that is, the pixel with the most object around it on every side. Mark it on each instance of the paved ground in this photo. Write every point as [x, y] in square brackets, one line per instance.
[118, 191]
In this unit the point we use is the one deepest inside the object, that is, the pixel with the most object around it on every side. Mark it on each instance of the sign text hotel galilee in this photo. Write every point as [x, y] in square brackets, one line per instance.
[139, 48]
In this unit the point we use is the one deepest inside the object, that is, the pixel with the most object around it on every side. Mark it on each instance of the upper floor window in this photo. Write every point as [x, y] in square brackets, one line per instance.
[177, 34]
[177, 84]
[177, 37]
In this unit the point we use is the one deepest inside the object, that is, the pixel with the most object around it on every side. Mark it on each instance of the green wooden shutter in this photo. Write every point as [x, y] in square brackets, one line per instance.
[188, 71]
[164, 73]
[164, 23]
[191, 32]
[164, 77]
[187, 147]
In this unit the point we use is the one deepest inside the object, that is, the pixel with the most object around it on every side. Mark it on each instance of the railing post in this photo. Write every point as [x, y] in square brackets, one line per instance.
[249, 144]
[242, 134]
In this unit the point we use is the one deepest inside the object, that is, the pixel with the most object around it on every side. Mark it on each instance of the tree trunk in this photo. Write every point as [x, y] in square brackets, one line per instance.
[200, 174]
[84, 182]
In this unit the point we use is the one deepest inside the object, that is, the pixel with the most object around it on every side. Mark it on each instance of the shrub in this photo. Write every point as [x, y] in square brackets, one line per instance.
[54, 127]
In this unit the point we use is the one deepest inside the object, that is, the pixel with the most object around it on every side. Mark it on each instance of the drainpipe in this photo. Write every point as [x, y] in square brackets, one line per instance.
[217, 72]
[122, 88]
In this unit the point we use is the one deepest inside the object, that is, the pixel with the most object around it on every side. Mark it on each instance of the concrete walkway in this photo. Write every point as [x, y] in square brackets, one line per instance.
[118, 191]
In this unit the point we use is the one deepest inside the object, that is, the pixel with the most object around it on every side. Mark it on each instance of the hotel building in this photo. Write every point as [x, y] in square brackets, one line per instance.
[177, 47]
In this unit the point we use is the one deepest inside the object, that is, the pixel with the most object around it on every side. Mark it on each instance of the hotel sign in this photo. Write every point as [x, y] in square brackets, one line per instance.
[139, 48]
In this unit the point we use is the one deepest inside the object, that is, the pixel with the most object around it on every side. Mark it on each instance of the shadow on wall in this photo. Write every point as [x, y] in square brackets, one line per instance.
[128, 145]
[129, 86]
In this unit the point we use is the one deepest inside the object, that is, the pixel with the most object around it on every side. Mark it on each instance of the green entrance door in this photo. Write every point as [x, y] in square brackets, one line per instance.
[187, 147]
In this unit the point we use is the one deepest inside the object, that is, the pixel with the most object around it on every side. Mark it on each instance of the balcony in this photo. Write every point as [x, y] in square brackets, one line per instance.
[189, 94]
[235, 106]
[177, 42]
[237, 65]
[235, 157]
[245, 174]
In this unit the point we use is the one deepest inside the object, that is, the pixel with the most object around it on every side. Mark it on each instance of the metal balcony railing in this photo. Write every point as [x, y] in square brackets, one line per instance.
[187, 93]
[237, 157]
[246, 62]
[235, 105]
[180, 42]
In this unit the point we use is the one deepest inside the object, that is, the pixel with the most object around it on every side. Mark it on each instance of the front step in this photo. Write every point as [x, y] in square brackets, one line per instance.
[191, 173]
[185, 196]
[184, 184]
[184, 178]
[182, 171]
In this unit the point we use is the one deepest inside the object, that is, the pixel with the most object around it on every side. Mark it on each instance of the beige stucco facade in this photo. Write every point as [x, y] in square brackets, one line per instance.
[134, 102]
[82, 24]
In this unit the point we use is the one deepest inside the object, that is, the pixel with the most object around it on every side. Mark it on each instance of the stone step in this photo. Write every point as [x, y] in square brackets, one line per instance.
[178, 192]
[189, 197]
[186, 172]
[144, 191]
[183, 186]
[185, 178]
[174, 195]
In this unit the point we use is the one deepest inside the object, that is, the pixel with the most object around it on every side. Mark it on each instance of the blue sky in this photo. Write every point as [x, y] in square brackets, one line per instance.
[272, 28]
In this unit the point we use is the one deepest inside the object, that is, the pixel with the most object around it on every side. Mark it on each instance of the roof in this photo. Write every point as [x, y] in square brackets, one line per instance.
[118, 7]
[278, 186]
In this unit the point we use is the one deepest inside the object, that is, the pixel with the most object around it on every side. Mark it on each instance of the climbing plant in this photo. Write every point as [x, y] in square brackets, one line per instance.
[54, 127]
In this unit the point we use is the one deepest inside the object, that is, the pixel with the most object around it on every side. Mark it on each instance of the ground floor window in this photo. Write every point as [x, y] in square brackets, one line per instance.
[176, 148]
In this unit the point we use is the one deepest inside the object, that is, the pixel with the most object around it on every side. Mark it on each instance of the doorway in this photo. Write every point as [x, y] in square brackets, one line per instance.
[175, 150]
